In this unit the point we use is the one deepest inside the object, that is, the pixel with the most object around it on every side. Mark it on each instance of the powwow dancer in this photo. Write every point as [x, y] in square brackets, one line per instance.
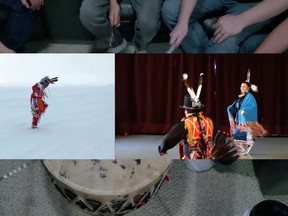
[243, 115]
[194, 133]
[37, 99]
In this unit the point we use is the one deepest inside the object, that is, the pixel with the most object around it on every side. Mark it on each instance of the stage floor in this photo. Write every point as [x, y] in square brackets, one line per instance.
[146, 146]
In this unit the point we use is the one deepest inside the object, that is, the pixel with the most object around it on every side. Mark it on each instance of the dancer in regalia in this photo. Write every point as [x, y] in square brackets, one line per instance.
[194, 133]
[37, 99]
[243, 115]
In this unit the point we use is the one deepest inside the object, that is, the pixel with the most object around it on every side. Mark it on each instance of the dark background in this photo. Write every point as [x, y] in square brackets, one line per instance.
[149, 89]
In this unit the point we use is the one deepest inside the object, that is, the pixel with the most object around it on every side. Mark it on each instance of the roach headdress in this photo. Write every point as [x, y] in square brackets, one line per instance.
[191, 100]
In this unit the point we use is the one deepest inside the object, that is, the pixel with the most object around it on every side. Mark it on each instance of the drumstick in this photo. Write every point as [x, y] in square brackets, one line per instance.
[111, 38]
[172, 48]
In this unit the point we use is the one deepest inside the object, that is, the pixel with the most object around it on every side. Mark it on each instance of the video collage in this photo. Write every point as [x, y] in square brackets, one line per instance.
[135, 108]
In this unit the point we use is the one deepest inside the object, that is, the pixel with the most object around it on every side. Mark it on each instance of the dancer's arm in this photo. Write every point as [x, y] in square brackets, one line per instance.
[173, 137]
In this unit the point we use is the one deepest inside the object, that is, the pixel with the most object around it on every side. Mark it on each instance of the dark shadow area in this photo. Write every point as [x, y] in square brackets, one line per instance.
[272, 176]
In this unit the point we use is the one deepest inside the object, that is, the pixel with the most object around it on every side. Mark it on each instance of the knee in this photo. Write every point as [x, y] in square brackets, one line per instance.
[147, 25]
[17, 8]
[89, 14]
[25, 13]
[170, 11]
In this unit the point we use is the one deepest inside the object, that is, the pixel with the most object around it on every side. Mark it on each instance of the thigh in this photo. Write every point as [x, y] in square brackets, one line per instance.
[13, 4]
[147, 10]
[4, 14]
[95, 7]
[204, 8]
[171, 10]
[19, 28]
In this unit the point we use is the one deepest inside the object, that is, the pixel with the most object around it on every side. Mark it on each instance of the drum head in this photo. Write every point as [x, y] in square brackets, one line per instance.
[108, 182]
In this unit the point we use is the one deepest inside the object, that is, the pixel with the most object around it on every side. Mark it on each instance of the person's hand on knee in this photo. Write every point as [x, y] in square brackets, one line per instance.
[227, 26]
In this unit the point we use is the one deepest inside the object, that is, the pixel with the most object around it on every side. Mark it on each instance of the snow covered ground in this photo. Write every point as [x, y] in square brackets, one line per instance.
[78, 124]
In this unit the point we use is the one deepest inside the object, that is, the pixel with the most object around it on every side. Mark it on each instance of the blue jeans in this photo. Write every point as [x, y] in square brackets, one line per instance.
[19, 25]
[197, 40]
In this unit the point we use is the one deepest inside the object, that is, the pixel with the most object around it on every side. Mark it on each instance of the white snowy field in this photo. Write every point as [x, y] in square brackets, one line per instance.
[79, 123]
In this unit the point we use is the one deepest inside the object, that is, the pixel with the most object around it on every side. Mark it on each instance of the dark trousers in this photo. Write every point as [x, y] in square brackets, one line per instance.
[17, 24]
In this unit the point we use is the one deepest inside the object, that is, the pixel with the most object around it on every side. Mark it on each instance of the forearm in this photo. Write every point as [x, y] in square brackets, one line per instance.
[263, 11]
[187, 8]
[113, 2]
[276, 41]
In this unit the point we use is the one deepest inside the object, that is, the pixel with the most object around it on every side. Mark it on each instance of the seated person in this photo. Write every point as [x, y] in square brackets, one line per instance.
[230, 25]
[102, 19]
[21, 19]
[183, 19]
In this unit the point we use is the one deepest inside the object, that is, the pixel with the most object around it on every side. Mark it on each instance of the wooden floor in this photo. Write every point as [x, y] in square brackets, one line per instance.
[145, 146]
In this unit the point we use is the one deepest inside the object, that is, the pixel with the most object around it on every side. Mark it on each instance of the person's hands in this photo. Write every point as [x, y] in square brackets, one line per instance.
[178, 34]
[114, 14]
[33, 4]
[25, 3]
[226, 27]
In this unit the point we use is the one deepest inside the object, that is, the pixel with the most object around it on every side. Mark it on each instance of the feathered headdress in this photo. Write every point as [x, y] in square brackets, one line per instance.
[254, 88]
[48, 80]
[194, 98]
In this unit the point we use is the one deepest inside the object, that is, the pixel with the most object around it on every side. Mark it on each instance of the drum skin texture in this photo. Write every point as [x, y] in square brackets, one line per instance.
[108, 187]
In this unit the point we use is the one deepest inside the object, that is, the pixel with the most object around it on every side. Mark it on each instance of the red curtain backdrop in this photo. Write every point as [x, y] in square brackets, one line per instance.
[149, 89]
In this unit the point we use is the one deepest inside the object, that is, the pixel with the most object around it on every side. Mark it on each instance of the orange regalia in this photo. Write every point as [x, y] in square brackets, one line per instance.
[199, 138]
